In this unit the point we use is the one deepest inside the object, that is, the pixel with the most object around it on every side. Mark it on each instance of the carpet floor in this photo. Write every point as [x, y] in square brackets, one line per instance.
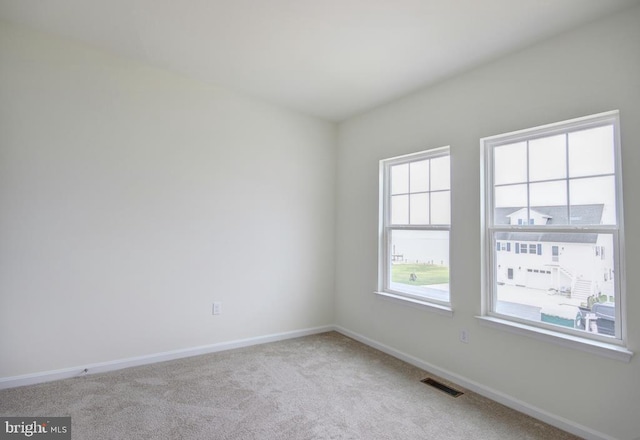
[324, 386]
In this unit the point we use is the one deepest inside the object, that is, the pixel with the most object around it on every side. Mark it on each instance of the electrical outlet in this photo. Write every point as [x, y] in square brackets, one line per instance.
[217, 308]
[464, 336]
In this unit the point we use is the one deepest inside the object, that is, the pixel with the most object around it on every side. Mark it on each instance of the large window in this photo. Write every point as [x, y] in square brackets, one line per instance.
[553, 196]
[415, 223]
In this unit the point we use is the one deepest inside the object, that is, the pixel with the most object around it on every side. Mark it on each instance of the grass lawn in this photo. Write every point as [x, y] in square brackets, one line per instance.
[426, 274]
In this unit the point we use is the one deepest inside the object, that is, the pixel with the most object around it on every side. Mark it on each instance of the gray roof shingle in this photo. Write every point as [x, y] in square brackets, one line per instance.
[580, 215]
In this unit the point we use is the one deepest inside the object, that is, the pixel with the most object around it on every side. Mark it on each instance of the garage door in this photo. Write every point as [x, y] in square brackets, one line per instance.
[538, 279]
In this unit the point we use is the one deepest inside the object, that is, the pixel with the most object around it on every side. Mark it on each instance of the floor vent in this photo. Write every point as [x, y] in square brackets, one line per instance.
[442, 387]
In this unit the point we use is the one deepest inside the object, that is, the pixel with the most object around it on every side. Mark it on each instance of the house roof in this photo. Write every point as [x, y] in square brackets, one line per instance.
[517, 213]
[557, 215]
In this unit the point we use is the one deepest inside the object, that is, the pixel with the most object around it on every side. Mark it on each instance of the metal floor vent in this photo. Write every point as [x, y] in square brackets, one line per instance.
[442, 387]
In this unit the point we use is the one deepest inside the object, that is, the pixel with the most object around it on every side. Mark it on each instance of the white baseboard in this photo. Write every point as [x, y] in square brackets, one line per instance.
[504, 399]
[497, 396]
[102, 367]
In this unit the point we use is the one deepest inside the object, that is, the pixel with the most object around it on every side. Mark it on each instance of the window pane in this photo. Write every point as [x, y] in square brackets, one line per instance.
[399, 210]
[591, 152]
[440, 173]
[511, 195]
[548, 194]
[563, 282]
[548, 158]
[420, 263]
[441, 208]
[419, 209]
[400, 179]
[510, 205]
[419, 176]
[510, 163]
[593, 201]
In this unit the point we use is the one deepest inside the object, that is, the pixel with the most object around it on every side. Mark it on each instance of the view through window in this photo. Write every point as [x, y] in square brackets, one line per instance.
[416, 225]
[553, 226]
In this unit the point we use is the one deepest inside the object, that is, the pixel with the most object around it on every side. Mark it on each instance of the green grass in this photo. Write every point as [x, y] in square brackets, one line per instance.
[426, 274]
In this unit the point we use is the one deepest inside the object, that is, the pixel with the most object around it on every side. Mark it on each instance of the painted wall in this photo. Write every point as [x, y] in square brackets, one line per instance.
[132, 198]
[586, 71]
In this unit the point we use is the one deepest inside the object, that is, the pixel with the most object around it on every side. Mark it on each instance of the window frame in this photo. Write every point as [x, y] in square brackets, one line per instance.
[386, 227]
[613, 347]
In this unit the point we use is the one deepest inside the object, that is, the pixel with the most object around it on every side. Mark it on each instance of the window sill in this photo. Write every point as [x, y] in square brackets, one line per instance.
[422, 304]
[611, 351]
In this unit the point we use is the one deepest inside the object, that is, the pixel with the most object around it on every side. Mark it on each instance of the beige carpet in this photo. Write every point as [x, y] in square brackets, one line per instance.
[325, 386]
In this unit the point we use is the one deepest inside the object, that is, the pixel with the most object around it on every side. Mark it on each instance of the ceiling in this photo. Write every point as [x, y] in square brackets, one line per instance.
[328, 58]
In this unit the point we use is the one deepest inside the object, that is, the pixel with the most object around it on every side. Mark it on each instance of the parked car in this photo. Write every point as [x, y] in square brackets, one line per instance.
[606, 317]
[603, 315]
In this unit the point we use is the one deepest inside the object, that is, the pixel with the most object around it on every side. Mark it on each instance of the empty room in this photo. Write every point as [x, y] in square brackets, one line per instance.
[282, 219]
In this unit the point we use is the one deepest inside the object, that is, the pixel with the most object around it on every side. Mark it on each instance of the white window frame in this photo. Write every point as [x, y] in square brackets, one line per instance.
[384, 233]
[616, 347]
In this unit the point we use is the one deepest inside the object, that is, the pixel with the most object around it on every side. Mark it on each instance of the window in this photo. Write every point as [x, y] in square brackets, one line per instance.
[563, 181]
[414, 227]
[554, 254]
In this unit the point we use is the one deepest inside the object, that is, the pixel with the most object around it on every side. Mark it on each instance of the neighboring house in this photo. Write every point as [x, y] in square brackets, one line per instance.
[578, 264]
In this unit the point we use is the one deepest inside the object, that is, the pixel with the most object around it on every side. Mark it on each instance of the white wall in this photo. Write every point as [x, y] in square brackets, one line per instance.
[586, 71]
[132, 198]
